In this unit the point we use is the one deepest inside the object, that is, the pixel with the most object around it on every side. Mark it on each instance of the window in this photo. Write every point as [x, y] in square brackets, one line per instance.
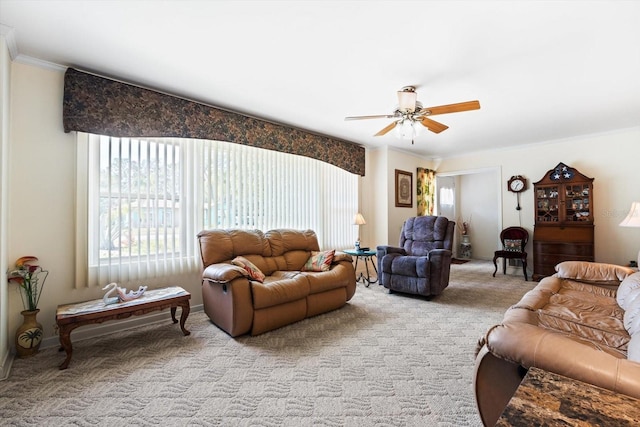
[142, 201]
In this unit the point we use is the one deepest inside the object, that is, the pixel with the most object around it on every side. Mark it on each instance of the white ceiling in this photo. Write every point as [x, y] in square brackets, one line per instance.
[542, 70]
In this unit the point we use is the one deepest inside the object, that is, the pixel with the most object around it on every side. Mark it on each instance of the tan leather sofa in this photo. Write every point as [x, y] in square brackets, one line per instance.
[239, 305]
[569, 324]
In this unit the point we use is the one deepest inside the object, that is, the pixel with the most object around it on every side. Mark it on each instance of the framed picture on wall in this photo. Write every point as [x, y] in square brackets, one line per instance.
[404, 189]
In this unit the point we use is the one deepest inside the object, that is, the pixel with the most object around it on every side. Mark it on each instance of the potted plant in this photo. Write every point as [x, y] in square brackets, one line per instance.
[30, 278]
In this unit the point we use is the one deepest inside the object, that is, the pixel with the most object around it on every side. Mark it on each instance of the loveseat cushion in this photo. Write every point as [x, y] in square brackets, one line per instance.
[217, 246]
[279, 288]
[326, 280]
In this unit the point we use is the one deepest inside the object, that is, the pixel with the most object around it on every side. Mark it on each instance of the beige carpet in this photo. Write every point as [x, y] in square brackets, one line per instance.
[383, 360]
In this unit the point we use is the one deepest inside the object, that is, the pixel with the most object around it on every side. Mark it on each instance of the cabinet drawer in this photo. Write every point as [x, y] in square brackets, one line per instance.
[563, 234]
[553, 259]
[564, 248]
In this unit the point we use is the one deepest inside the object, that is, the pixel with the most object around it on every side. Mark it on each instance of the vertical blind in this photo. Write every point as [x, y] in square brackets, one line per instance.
[146, 200]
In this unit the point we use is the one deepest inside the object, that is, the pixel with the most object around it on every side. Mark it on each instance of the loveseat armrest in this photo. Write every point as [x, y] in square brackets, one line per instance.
[223, 273]
[341, 256]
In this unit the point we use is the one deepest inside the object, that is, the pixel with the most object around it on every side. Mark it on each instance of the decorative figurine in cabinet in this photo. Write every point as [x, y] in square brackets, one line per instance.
[563, 220]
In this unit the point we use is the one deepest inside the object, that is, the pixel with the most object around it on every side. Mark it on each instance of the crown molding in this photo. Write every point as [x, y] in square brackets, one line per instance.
[9, 35]
[41, 63]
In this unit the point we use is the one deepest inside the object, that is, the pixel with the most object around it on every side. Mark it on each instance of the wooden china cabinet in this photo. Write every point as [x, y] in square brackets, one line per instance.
[563, 221]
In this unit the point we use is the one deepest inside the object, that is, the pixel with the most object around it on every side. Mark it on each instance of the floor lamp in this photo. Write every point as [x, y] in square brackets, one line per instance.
[633, 220]
[358, 220]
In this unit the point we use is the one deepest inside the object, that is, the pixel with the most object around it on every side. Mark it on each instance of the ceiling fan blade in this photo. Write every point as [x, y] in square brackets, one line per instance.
[452, 108]
[386, 129]
[380, 116]
[433, 126]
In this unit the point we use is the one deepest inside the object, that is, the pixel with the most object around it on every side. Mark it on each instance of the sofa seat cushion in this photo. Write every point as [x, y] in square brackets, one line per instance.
[580, 312]
[597, 323]
[281, 287]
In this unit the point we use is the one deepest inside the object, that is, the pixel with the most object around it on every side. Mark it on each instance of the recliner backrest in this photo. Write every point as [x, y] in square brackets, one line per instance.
[422, 234]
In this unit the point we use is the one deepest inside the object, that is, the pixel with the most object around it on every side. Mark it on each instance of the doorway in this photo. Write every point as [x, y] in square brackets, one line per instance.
[473, 196]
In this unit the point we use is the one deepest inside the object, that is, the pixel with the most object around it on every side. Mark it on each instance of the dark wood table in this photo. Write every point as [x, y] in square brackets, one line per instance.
[547, 399]
[71, 316]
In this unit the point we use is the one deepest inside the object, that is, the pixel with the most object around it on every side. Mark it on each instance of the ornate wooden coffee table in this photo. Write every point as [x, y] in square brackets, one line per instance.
[71, 316]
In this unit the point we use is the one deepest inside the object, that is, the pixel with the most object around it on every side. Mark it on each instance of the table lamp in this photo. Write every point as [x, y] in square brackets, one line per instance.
[358, 220]
[633, 220]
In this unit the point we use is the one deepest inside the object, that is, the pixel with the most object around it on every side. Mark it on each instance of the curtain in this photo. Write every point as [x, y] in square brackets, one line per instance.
[142, 201]
[426, 191]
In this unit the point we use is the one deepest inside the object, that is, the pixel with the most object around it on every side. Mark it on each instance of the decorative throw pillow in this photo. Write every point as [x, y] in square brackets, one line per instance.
[628, 285]
[512, 245]
[319, 261]
[254, 272]
[632, 317]
[633, 348]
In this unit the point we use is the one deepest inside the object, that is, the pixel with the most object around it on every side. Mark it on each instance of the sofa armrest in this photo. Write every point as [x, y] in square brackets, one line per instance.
[530, 345]
[223, 273]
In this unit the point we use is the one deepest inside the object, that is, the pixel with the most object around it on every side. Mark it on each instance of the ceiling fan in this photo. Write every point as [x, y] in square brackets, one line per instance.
[410, 112]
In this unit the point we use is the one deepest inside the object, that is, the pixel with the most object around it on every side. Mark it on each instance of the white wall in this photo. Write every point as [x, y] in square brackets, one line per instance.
[389, 218]
[611, 158]
[478, 204]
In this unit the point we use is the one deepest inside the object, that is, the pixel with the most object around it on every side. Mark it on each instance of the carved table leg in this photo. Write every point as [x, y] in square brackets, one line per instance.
[173, 314]
[183, 317]
[65, 343]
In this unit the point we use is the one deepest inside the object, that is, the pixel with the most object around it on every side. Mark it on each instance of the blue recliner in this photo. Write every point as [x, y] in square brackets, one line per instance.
[422, 263]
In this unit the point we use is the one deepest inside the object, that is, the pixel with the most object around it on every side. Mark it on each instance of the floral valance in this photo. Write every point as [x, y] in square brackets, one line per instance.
[107, 107]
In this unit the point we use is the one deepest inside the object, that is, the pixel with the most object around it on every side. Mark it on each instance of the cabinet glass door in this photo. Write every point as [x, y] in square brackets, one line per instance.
[577, 203]
[547, 204]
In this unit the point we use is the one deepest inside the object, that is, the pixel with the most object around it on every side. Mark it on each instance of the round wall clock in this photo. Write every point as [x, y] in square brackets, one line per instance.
[517, 184]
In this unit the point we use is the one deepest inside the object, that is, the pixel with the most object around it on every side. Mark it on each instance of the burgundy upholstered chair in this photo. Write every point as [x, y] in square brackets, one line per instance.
[421, 264]
[514, 240]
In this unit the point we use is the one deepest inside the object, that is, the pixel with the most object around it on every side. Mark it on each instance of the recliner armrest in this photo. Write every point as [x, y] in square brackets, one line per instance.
[384, 250]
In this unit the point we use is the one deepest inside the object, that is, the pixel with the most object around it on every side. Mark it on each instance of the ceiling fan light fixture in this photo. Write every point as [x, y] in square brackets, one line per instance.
[407, 98]
[406, 129]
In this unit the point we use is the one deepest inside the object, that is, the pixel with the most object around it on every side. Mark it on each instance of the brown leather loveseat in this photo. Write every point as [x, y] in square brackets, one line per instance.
[240, 300]
[582, 323]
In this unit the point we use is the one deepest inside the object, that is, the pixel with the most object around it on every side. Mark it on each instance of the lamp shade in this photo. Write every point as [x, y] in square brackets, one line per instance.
[407, 100]
[358, 219]
[633, 218]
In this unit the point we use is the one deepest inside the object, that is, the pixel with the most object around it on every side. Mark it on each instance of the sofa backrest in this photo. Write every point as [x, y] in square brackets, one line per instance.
[422, 234]
[280, 249]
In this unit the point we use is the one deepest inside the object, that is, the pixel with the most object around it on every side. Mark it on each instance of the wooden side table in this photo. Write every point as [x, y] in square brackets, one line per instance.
[367, 257]
[547, 399]
[71, 316]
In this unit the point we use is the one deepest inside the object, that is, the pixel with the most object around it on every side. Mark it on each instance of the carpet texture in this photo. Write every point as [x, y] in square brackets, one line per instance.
[383, 360]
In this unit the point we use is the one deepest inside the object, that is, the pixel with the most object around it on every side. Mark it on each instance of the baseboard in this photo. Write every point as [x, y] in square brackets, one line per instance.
[110, 327]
